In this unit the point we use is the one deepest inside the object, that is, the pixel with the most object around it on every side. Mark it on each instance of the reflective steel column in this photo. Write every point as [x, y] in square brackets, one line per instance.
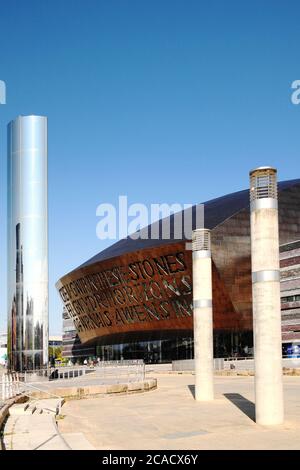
[27, 233]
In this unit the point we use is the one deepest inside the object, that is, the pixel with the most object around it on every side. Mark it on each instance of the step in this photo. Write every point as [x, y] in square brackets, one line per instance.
[49, 405]
[21, 409]
[33, 426]
[18, 409]
[32, 432]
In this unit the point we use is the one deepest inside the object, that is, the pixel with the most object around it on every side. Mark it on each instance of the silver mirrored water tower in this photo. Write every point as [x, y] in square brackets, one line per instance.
[27, 233]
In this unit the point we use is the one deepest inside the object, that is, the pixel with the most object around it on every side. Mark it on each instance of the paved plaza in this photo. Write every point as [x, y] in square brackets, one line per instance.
[170, 418]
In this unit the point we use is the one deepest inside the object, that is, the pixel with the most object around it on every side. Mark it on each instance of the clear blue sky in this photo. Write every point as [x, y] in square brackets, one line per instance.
[160, 100]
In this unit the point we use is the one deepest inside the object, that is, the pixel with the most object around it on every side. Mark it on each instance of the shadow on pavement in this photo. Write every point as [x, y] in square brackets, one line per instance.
[242, 403]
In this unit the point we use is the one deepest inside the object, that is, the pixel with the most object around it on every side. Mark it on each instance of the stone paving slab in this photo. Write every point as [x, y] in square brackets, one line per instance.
[170, 418]
[77, 441]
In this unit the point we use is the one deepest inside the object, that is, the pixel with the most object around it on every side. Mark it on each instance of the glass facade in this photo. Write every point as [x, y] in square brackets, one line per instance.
[72, 347]
[27, 243]
[226, 344]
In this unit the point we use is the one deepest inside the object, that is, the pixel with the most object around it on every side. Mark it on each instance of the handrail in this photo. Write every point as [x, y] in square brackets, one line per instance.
[238, 358]
[249, 358]
[47, 393]
[41, 390]
[83, 366]
[11, 387]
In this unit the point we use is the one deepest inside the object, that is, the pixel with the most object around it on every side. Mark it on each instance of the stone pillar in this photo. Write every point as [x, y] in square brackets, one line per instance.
[266, 296]
[203, 322]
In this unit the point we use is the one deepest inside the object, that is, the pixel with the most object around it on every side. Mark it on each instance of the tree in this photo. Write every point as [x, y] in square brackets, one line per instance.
[55, 352]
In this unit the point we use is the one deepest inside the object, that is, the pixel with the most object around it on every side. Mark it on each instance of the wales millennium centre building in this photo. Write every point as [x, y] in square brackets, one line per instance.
[134, 299]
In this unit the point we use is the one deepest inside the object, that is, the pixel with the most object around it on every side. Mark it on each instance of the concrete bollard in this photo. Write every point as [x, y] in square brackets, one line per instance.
[266, 296]
[203, 321]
